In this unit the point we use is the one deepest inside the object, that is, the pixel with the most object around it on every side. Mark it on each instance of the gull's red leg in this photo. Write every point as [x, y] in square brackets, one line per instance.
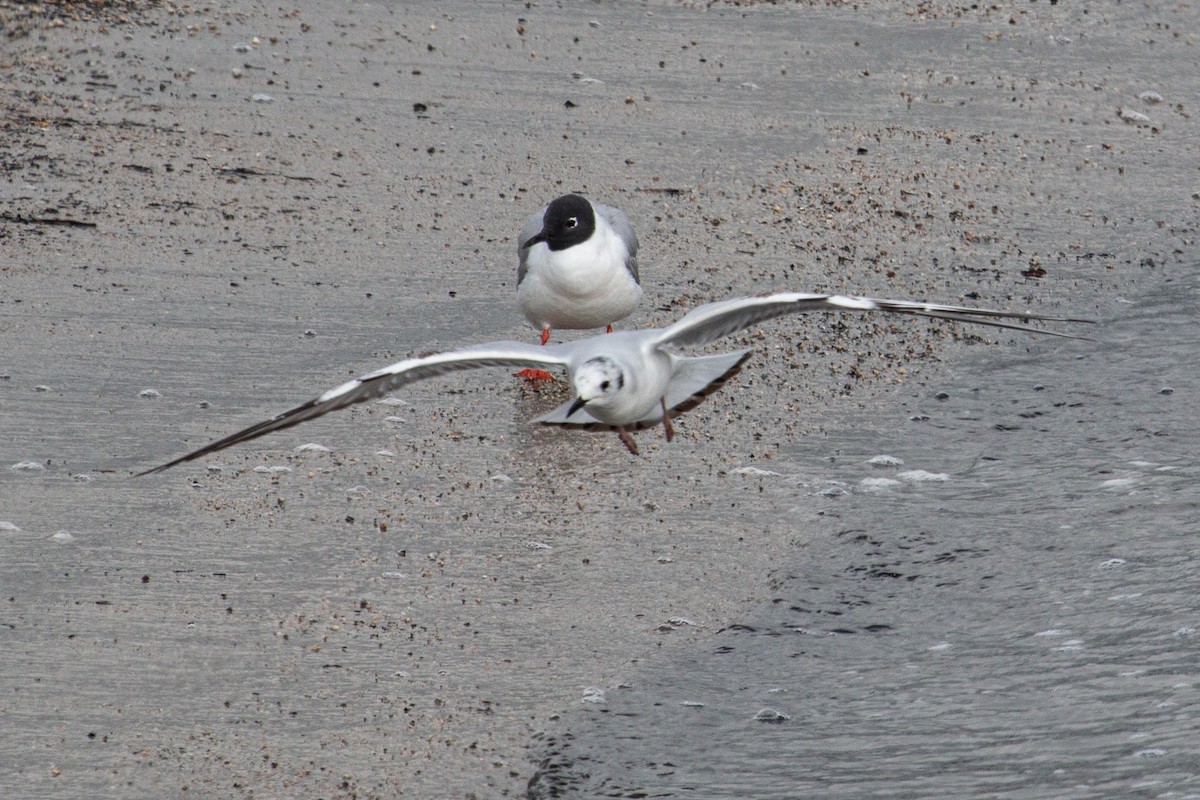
[532, 374]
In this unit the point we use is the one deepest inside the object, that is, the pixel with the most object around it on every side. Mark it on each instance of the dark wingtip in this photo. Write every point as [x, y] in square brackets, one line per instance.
[164, 467]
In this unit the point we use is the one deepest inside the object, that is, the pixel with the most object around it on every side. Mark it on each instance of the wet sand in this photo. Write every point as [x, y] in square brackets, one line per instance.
[214, 214]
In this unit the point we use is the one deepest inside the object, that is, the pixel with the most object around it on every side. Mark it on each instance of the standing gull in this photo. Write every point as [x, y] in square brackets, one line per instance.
[623, 381]
[578, 268]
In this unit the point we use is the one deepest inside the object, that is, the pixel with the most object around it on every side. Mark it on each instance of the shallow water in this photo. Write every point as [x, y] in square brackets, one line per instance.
[1024, 627]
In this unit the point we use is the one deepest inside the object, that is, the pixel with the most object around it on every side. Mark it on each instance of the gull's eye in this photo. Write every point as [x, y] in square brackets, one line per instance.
[571, 222]
[604, 386]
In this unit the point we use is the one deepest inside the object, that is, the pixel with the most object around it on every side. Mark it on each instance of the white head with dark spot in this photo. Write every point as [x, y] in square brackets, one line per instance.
[598, 383]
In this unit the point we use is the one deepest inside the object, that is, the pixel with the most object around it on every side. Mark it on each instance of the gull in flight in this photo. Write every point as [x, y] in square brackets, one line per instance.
[622, 381]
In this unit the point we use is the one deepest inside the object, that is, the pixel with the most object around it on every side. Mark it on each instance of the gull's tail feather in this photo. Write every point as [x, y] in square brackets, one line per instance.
[697, 378]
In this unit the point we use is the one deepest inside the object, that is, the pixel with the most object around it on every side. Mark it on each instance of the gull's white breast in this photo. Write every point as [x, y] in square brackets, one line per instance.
[585, 286]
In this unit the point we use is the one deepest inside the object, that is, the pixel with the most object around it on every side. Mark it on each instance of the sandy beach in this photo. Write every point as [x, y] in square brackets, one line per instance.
[212, 213]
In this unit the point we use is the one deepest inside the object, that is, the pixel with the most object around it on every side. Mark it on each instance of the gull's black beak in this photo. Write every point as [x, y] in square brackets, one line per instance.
[541, 237]
[578, 404]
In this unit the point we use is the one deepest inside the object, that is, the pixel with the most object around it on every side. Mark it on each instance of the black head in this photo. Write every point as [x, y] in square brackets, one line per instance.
[568, 221]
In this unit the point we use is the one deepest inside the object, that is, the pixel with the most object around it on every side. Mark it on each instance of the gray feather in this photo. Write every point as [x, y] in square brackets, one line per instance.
[620, 223]
[713, 321]
[533, 226]
[381, 381]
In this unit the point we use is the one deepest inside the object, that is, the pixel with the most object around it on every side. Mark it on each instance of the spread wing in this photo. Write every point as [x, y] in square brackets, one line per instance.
[712, 321]
[381, 381]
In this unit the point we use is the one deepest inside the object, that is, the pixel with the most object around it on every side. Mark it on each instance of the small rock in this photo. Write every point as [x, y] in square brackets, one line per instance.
[592, 694]
[771, 715]
[885, 461]
[1133, 117]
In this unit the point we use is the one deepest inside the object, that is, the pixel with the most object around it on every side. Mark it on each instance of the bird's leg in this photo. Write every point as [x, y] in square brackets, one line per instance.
[609, 329]
[627, 440]
[668, 428]
[531, 374]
